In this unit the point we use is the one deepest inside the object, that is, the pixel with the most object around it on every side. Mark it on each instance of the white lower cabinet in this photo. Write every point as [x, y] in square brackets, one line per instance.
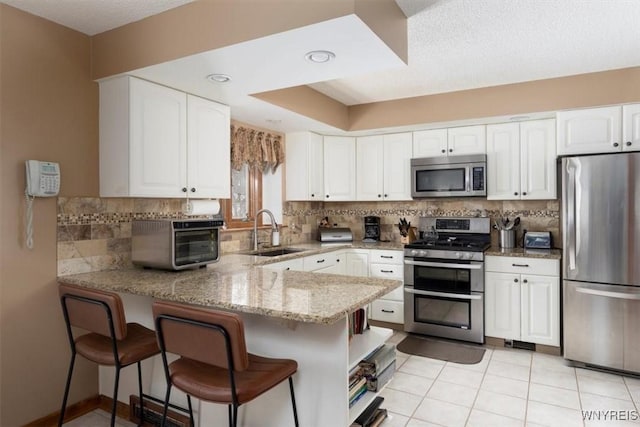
[357, 262]
[522, 299]
[388, 264]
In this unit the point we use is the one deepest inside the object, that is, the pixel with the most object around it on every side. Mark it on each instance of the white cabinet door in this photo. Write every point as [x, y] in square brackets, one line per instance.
[502, 305]
[158, 140]
[370, 168]
[631, 127]
[538, 167]
[304, 171]
[466, 140]
[503, 161]
[430, 143]
[592, 130]
[357, 263]
[208, 144]
[540, 307]
[315, 167]
[397, 166]
[339, 168]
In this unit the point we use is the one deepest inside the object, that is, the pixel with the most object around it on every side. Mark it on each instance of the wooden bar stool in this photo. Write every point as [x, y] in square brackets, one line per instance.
[214, 364]
[111, 340]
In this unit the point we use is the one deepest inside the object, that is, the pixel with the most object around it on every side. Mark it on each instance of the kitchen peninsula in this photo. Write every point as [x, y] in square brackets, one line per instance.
[292, 314]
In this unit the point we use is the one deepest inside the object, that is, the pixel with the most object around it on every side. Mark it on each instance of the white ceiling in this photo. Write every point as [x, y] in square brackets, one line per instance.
[453, 45]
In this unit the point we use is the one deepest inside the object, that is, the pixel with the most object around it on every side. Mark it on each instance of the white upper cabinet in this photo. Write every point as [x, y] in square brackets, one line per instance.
[430, 143]
[383, 167]
[151, 147]
[450, 142]
[538, 169]
[339, 168]
[521, 162]
[631, 127]
[466, 140]
[209, 151]
[304, 166]
[592, 130]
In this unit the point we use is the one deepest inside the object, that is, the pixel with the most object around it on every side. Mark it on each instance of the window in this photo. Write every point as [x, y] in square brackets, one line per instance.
[246, 198]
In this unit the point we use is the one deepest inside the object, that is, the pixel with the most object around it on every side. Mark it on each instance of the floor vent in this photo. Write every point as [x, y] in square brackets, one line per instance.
[153, 414]
[520, 344]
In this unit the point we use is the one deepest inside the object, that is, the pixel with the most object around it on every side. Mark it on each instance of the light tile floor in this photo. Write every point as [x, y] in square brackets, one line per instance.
[509, 387]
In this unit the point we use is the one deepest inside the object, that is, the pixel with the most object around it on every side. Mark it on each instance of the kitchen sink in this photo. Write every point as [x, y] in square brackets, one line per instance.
[276, 252]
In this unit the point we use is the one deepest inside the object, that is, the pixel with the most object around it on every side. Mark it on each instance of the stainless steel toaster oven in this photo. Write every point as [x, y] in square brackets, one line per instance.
[175, 244]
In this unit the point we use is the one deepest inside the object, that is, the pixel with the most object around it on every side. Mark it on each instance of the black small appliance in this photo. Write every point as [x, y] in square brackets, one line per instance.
[371, 229]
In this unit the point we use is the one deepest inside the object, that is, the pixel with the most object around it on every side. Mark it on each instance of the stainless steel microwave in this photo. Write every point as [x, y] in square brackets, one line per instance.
[175, 244]
[449, 176]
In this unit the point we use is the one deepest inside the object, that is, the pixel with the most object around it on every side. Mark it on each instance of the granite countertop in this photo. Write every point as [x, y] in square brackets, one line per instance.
[525, 253]
[236, 284]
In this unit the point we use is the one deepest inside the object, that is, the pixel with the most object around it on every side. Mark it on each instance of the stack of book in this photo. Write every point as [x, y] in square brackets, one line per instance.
[373, 416]
[379, 366]
[358, 322]
[357, 385]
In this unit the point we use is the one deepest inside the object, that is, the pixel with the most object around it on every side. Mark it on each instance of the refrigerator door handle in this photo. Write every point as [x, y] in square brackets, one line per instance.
[608, 294]
[571, 213]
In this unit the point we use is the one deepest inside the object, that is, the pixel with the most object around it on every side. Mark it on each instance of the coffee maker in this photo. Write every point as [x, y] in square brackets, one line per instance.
[371, 229]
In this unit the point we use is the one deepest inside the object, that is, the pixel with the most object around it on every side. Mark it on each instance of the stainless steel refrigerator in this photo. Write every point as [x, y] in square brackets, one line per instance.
[601, 260]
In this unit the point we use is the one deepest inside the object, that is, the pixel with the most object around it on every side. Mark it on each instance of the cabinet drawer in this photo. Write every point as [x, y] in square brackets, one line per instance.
[316, 262]
[387, 311]
[386, 257]
[386, 271]
[395, 295]
[294, 264]
[520, 265]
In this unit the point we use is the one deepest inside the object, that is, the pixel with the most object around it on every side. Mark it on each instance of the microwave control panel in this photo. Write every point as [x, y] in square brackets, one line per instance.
[478, 178]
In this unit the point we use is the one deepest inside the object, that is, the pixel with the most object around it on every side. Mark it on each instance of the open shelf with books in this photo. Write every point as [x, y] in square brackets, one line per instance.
[362, 347]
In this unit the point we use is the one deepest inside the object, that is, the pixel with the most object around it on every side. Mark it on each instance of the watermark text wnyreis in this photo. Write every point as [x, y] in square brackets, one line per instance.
[609, 415]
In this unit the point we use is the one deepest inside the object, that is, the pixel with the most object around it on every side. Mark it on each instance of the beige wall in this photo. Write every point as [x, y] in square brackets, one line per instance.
[49, 111]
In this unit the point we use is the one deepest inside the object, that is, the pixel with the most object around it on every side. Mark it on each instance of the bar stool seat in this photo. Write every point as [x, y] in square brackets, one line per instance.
[139, 344]
[212, 383]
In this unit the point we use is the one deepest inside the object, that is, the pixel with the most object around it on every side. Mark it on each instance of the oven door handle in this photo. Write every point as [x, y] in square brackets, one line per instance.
[444, 264]
[442, 294]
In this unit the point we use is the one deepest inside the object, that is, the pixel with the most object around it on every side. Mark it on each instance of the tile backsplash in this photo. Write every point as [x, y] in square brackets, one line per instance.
[95, 233]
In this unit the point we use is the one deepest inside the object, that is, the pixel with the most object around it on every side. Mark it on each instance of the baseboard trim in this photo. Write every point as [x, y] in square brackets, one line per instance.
[72, 412]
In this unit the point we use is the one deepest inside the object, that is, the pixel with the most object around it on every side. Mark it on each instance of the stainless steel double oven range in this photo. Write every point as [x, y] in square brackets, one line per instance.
[444, 278]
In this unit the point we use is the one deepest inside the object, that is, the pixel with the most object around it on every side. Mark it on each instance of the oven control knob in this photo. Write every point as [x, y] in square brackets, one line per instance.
[413, 252]
[423, 253]
[458, 255]
[467, 256]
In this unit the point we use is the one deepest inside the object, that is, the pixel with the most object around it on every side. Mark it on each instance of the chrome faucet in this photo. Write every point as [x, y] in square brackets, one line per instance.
[274, 229]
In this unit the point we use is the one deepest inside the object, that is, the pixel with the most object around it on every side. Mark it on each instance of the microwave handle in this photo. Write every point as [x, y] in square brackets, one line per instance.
[468, 178]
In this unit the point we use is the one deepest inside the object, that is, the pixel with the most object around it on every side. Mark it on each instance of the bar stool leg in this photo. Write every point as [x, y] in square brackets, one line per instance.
[115, 397]
[66, 388]
[293, 402]
[166, 404]
[190, 411]
[141, 397]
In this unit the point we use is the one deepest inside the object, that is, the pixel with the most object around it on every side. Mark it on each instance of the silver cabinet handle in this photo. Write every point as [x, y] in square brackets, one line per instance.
[610, 294]
[444, 264]
[442, 294]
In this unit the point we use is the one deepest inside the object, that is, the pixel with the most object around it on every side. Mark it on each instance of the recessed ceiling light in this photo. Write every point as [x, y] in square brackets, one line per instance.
[320, 56]
[218, 78]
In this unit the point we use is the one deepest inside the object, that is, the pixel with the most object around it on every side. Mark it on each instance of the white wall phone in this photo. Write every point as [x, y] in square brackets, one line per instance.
[43, 180]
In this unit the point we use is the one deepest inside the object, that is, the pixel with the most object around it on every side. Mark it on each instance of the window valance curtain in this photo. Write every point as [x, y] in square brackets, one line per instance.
[258, 149]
